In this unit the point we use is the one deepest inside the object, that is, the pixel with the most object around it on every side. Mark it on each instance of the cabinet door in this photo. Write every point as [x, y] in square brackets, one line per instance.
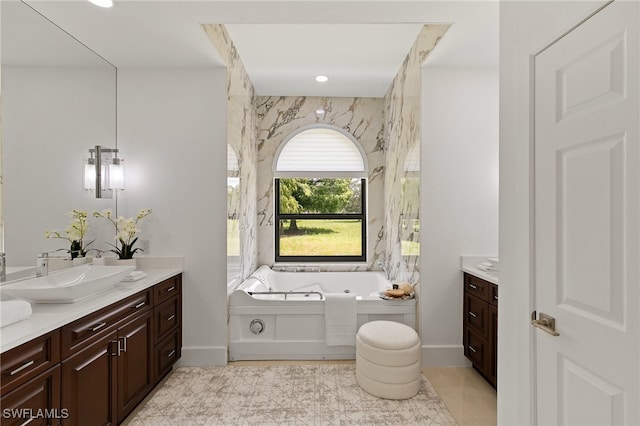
[135, 372]
[38, 399]
[89, 384]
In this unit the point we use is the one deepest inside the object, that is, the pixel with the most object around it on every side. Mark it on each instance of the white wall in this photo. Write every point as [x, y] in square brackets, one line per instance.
[525, 28]
[172, 134]
[459, 198]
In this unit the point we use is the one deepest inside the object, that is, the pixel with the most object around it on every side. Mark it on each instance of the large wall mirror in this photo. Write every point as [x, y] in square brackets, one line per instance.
[58, 101]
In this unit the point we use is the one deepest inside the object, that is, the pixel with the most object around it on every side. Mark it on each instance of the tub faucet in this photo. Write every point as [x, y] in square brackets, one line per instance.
[42, 264]
[381, 265]
[3, 267]
[262, 280]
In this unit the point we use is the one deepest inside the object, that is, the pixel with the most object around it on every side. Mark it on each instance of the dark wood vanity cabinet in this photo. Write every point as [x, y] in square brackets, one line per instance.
[97, 369]
[167, 325]
[480, 325]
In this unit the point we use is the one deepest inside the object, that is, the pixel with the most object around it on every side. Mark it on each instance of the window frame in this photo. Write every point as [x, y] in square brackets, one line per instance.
[362, 216]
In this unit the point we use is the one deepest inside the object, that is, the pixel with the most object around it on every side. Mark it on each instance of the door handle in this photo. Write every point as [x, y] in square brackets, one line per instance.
[545, 323]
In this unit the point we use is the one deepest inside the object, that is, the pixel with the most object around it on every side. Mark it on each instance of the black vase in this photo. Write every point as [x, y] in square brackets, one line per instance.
[76, 249]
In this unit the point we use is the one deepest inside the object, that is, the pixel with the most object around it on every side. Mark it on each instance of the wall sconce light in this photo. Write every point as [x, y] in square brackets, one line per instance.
[320, 113]
[103, 172]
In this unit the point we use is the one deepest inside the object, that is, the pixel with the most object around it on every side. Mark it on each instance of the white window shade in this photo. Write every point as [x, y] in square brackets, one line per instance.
[320, 152]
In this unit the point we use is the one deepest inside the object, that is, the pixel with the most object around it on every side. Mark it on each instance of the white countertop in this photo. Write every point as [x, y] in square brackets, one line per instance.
[468, 265]
[48, 317]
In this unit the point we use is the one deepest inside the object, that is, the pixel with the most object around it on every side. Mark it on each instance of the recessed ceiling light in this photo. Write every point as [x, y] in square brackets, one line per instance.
[321, 78]
[102, 3]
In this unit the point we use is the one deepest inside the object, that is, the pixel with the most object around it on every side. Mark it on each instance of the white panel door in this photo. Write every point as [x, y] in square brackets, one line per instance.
[587, 219]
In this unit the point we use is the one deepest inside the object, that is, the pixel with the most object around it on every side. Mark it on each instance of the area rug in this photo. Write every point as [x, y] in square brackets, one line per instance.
[325, 394]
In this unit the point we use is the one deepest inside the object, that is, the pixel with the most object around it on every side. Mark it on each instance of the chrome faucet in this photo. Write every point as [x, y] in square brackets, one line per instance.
[3, 267]
[42, 264]
[384, 268]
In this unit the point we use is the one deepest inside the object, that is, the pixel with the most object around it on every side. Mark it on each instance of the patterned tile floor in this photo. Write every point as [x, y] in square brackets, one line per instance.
[322, 394]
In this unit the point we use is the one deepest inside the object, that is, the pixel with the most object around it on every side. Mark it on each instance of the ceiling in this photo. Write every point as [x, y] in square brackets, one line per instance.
[359, 44]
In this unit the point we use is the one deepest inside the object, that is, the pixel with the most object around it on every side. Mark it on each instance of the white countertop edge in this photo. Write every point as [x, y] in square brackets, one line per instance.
[481, 274]
[48, 317]
[468, 265]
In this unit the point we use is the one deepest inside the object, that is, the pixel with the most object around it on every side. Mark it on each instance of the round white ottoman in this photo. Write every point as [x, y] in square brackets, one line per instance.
[388, 360]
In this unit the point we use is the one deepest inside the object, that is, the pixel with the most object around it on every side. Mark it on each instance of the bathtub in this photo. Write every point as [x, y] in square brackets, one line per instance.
[280, 315]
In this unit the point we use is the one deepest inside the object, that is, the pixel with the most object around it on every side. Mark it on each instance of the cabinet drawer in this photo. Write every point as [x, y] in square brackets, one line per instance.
[476, 350]
[166, 289]
[167, 317]
[38, 395]
[477, 315]
[476, 286]
[493, 295]
[88, 329]
[167, 353]
[29, 359]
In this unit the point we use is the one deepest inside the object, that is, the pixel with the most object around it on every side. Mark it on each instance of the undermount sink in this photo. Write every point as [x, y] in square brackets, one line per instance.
[69, 285]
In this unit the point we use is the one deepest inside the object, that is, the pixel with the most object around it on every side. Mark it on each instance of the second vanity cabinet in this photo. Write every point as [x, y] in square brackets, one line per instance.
[167, 334]
[480, 326]
[97, 369]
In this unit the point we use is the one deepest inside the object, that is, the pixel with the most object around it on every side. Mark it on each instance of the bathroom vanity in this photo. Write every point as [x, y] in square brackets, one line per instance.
[480, 322]
[96, 359]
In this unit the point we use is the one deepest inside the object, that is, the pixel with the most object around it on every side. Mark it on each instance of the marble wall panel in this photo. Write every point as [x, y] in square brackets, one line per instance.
[278, 117]
[402, 175]
[241, 136]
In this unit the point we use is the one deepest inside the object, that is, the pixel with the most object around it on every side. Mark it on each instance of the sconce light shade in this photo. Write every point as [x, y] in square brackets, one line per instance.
[89, 174]
[103, 172]
[116, 174]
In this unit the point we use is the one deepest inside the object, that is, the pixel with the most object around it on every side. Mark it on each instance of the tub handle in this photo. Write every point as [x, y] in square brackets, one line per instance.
[251, 293]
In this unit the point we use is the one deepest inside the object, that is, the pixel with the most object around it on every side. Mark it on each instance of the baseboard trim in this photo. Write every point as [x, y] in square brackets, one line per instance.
[202, 356]
[432, 356]
[444, 356]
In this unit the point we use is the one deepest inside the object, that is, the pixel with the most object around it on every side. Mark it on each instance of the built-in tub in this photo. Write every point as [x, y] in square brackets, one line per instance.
[280, 315]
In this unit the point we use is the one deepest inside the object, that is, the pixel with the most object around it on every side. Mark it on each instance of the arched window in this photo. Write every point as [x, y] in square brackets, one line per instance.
[320, 197]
